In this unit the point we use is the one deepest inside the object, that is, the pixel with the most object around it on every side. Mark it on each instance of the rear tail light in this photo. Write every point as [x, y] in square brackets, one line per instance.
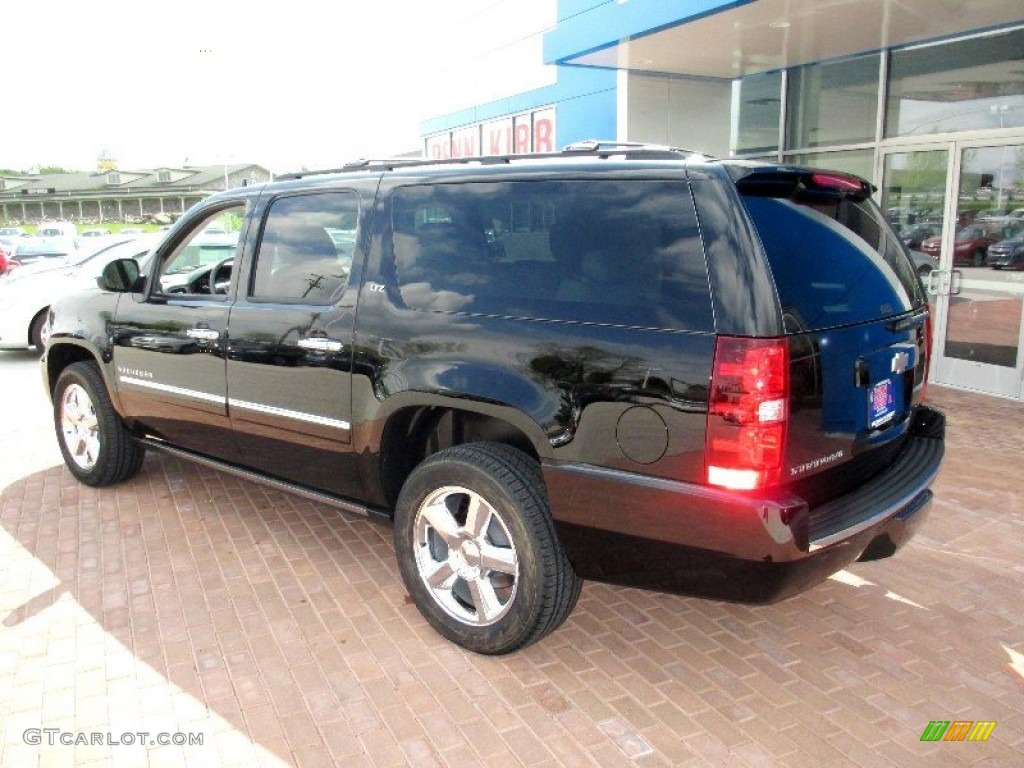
[748, 412]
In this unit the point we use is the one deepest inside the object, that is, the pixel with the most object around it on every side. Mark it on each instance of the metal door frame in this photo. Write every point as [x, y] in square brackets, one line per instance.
[946, 281]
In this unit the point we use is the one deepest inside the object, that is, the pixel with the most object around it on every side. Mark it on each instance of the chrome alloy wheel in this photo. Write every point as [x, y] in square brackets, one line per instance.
[80, 427]
[465, 556]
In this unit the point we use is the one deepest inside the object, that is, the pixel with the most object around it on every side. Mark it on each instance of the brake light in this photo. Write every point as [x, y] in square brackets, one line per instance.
[748, 412]
[837, 181]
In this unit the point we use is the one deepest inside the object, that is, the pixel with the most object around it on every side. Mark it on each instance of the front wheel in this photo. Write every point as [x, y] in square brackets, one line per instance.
[39, 332]
[94, 442]
[978, 259]
[477, 549]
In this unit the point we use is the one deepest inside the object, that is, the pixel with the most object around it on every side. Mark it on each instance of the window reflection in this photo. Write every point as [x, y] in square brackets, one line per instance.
[857, 161]
[967, 85]
[833, 103]
[756, 126]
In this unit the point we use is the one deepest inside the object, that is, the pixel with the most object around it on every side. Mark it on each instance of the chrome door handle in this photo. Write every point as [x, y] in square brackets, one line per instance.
[320, 344]
[204, 334]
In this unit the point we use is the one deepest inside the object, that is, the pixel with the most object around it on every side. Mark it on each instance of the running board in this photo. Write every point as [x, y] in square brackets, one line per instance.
[378, 515]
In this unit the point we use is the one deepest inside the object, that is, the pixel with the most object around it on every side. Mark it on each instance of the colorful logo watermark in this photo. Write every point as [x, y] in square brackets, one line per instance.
[958, 730]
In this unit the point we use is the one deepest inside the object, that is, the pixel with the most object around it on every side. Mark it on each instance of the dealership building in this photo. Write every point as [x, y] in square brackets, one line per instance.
[925, 98]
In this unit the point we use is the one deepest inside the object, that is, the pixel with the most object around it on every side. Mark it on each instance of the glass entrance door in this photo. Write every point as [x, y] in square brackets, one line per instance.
[969, 248]
[979, 340]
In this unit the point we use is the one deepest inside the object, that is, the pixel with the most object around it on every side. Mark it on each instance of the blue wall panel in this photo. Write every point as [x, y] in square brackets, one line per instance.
[584, 99]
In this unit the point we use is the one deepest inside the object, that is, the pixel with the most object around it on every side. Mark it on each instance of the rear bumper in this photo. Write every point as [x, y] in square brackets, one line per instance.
[678, 537]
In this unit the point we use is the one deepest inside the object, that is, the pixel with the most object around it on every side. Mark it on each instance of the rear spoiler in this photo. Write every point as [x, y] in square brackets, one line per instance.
[804, 185]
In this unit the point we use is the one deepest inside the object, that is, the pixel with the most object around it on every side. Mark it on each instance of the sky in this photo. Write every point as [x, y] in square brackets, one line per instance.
[305, 83]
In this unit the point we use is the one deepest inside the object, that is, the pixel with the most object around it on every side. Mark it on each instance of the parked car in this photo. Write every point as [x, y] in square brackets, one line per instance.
[96, 232]
[11, 234]
[10, 237]
[26, 296]
[1008, 253]
[970, 245]
[991, 213]
[923, 263]
[622, 362]
[57, 229]
[44, 247]
[913, 235]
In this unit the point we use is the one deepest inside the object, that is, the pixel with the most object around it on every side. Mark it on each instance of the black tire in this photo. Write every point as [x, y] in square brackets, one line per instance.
[923, 271]
[93, 440]
[978, 259]
[37, 329]
[507, 491]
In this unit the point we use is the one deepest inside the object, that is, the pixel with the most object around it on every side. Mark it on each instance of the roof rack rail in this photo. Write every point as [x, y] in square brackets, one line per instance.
[354, 165]
[601, 147]
[588, 147]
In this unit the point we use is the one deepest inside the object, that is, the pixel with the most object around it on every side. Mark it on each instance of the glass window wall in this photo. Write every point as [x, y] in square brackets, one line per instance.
[965, 85]
[832, 103]
[757, 105]
[858, 161]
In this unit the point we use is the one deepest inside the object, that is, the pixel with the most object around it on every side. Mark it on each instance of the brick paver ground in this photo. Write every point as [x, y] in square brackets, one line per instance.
[188, 601]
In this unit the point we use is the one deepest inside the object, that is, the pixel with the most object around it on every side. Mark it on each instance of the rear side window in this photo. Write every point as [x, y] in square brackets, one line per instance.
[622, 253]
[834, 262]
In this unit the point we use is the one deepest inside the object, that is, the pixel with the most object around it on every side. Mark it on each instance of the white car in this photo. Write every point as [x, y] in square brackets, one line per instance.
[27, 293]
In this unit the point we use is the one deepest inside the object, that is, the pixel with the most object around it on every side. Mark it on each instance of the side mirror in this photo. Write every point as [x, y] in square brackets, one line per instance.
[121, 276]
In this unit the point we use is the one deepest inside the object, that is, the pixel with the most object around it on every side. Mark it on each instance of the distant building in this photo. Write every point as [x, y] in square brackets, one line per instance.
[118, 195]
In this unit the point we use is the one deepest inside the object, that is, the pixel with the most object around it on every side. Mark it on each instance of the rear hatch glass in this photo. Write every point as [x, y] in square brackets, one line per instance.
[834, 260]
[855, 314]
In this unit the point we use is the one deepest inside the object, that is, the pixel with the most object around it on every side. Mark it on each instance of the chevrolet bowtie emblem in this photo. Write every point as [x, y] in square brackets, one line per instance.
[900, 362]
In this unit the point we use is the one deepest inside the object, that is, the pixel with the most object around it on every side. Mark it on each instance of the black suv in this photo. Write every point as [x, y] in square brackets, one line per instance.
[626, 363]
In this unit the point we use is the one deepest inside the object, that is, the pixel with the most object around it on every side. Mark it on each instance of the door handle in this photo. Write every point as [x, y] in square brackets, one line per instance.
[320, 344]
[203, 334]
[956, 278]
[940, 282]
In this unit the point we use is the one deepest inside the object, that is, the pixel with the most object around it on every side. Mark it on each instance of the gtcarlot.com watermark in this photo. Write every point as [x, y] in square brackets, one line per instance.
[54, 736]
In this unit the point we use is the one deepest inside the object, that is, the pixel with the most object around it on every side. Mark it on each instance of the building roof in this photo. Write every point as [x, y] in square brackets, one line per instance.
[134, 181]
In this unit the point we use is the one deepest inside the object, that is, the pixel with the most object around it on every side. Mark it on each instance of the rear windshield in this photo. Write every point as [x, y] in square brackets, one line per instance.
[835, 262]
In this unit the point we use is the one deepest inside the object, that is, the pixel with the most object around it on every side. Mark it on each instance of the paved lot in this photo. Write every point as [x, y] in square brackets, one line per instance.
[189, 602]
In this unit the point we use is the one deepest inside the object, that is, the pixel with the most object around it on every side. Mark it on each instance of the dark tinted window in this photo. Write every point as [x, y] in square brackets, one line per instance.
[834, 263]
[624, 253]
[306, 250]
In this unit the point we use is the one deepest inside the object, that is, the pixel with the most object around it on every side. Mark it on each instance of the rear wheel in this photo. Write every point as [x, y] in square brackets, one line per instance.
[477, 549]
[94, 442]
[978, 259]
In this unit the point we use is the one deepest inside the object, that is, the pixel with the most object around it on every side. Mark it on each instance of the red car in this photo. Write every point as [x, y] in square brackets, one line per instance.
[970, 246]
[6, 262]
